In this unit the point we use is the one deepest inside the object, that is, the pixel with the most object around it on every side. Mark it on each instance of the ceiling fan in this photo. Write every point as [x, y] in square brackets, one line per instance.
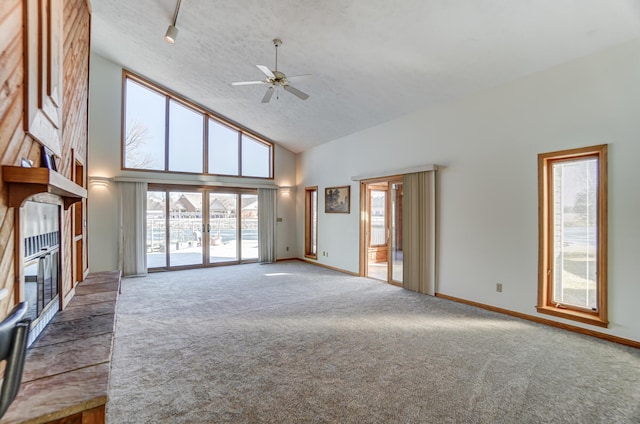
[276, 79]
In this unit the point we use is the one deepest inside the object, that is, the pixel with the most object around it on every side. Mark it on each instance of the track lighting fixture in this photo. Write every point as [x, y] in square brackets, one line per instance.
[172, 31]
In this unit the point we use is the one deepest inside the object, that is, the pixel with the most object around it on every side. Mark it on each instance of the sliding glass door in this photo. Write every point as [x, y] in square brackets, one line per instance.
[249, 225]
[395, 224]
[187, 229]
[222, 227]
[378, 248]
[156, 229]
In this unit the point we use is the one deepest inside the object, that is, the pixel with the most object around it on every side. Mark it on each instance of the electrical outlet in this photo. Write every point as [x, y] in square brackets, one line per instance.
[499, 287]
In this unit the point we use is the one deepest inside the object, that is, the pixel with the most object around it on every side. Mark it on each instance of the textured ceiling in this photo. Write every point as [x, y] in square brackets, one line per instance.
[371, 60]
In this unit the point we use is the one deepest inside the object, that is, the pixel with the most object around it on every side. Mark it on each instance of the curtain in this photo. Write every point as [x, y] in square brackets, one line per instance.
[266, 225]
[418, 232]
[132, 255]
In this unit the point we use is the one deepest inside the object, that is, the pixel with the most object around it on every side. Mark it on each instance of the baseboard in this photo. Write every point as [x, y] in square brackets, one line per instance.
[344, 271]
[569, 327]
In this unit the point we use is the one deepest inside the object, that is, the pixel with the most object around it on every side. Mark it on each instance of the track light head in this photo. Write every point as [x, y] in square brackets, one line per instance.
[172, 31]
[172, 34]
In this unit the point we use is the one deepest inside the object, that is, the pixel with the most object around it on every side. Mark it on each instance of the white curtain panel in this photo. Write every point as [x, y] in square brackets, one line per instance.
[132, 254]
[267, 225]
[418, 232]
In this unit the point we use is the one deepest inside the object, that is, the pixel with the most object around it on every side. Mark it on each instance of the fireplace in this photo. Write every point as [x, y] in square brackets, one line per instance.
[41, 262]
[39, 196]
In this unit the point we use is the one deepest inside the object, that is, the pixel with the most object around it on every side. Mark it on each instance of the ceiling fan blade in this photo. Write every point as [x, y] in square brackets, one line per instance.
[266, 71]
[296, 92]
[298, 76]
[248, 82]
[268, 94]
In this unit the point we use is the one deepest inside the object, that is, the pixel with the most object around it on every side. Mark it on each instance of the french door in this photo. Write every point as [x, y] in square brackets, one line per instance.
[196, 228]
[382, 229]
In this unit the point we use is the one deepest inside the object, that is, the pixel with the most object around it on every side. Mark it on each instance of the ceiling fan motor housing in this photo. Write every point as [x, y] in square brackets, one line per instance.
[275, 79]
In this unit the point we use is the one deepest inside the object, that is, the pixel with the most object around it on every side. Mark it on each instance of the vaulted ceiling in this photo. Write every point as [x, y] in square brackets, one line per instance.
[371, 60]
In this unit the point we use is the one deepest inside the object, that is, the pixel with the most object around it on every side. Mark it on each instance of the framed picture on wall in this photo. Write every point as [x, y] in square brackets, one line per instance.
[337, 199]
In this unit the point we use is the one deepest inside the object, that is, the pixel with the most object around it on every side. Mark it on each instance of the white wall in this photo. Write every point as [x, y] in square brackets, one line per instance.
[104, 161]
[487, 147]
[285, 176]
[103, 155]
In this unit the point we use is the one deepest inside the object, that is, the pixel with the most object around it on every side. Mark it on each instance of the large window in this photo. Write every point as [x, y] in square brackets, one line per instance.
[573, 234]
[144, 132]
[311, 222]
[162, 132]
[256, 157]
[224, 149]
[186, 133]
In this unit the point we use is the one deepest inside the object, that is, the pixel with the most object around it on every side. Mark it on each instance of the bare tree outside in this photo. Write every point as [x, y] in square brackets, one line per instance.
[136, 137]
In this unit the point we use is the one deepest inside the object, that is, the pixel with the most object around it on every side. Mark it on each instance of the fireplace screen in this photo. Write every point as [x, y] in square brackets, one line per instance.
[41, 257]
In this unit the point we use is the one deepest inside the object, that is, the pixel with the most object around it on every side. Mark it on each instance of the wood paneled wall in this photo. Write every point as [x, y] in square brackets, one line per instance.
[15, 144]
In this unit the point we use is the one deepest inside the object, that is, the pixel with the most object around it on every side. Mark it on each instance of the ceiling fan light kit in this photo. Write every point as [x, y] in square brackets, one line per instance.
[275, 79]
[172, 32]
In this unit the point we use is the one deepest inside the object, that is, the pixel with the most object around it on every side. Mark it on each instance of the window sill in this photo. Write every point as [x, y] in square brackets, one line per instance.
[573, 315]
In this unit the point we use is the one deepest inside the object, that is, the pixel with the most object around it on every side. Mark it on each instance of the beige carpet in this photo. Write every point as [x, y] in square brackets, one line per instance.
[296, 343]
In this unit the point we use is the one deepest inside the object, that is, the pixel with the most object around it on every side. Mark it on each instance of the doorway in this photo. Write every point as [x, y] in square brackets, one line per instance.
[382, 229]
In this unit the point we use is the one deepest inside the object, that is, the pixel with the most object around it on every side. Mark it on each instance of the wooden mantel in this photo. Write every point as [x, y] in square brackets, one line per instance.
[26, 182]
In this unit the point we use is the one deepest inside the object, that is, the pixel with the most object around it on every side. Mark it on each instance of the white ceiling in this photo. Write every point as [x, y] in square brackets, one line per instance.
[371, 60]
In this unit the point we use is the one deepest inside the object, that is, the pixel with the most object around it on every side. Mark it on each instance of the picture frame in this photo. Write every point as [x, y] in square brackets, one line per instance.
[337, 199]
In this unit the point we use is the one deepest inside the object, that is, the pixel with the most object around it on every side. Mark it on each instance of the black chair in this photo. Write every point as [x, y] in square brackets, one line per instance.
[13, 348]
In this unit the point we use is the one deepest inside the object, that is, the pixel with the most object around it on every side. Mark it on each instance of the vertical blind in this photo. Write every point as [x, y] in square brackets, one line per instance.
[267, 225]
[132, 211]
[419, 232]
